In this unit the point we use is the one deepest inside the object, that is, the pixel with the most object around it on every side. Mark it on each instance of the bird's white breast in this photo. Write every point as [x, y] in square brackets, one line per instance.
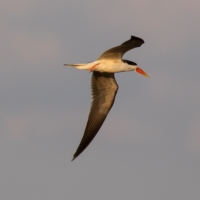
[112, 66]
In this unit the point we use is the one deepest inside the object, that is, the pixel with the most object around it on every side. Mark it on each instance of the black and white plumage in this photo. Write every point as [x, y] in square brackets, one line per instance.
[104, 86]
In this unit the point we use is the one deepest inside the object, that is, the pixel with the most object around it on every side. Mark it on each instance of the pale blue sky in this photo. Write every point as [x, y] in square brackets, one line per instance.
[148, 147]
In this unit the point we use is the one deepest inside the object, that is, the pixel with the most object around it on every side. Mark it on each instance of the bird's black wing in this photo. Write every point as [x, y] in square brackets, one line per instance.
[117, 52]
[104, 89]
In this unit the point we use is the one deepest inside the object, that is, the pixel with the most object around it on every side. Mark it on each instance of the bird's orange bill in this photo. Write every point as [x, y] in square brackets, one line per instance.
[140, 71]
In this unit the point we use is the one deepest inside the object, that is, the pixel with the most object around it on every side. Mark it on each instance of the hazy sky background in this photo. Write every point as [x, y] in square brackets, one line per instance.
[149, 146]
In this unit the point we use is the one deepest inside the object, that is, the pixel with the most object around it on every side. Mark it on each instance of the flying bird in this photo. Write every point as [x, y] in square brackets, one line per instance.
[104, 86]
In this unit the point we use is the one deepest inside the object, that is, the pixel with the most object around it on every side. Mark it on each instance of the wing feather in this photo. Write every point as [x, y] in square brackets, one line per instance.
[118, 51]
[104, 88]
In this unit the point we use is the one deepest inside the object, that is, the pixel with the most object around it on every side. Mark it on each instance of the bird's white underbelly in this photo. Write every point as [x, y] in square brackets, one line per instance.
[110, 66]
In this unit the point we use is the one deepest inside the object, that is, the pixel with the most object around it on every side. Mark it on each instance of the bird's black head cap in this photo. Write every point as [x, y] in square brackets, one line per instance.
[129, 62]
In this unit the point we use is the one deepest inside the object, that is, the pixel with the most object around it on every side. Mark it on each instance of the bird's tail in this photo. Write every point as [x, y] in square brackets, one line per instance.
[85, 66]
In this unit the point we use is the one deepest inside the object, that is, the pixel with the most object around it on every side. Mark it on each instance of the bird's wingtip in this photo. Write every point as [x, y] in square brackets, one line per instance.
[134, 37]
[74, 157]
